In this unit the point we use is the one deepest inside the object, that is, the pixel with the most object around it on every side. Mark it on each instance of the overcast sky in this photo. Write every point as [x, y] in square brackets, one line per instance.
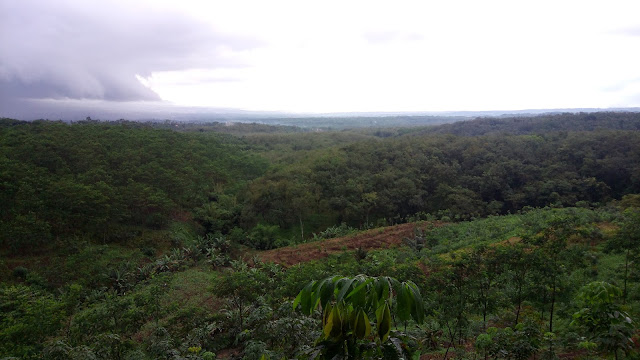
[321, 56]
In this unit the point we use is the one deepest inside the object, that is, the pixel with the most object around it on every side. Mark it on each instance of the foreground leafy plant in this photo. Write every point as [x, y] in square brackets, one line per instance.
[352, 307]
[603, 318]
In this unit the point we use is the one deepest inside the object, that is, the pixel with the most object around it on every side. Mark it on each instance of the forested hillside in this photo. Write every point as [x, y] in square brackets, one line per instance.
[125, 240]
[540, 124]
[99, 179]
[457, 177]
[388, 180]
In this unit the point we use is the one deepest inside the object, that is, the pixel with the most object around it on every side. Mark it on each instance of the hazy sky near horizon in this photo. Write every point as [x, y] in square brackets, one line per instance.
[328, 56]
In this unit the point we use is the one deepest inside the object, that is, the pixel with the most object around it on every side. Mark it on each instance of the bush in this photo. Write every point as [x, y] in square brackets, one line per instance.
[28, 317]
[334, 232]
[602, 318]
[263, 237]
[20, 272]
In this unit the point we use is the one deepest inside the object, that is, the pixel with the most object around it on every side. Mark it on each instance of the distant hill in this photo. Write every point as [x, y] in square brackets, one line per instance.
[538, 124]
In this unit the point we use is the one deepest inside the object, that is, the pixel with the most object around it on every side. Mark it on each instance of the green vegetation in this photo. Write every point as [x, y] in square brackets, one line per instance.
[347, 304]
[108, 181]
[136, 241]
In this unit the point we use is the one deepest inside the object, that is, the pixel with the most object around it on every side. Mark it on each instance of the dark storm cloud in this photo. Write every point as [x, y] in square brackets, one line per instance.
[87, 49]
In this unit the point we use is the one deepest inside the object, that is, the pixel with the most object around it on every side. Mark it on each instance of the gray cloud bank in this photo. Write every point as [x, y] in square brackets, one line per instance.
[67, 49]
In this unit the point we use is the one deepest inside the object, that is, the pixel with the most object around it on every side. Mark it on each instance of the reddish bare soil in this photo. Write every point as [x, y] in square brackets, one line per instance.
[380, 238]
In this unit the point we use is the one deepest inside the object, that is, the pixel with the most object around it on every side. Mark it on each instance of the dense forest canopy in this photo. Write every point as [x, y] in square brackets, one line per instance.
[541, 124]
[144, 240]
[91, 178]
[459, 176]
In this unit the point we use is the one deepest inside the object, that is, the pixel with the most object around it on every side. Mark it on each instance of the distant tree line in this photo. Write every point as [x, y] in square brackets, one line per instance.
[521, 125]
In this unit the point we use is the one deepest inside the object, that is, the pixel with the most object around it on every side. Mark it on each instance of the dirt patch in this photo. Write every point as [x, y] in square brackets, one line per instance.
[425, 269]
[229, 353]
[375, 239]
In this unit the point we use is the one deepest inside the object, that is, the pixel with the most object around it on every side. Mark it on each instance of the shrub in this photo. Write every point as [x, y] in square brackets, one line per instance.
[263, 237]
[20, 272]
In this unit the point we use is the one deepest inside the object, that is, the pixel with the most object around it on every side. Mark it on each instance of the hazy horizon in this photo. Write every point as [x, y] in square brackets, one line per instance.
[75, 110]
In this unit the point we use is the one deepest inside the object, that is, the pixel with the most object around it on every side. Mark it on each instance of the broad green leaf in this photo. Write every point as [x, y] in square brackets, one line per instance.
[358, 296]
[381, 288]
[362, 327]
[328, 325]
[316, 292]
[404, 303]
[417, 309]
[358, 288]
[326, 292]
[306, 300]
[383, 318]
[385, 290]
[394, 283]
[297, 300]
[326, 314]
[344, 289]
[352, 318]
[335, 329]
[346, 315]
[333, 326]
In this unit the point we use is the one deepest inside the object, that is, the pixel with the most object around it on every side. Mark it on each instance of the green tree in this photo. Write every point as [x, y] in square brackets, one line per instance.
[241, 285]
[627, 240]
[485, 293]
[550, 260]
[603, 319]
[516, 272]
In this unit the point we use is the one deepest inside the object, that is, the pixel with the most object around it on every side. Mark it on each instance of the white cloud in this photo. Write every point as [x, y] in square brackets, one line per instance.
[355, 55]
[367, 56]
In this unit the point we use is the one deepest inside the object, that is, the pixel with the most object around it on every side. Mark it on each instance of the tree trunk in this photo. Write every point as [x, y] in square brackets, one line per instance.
[553, 302]
[519, 303]
[484, 292]
[301, 228]
[240, 314]
[452, 339]
[626, 270]
[446, 352]
[484, 315]
[367, 225]
[544, 303]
